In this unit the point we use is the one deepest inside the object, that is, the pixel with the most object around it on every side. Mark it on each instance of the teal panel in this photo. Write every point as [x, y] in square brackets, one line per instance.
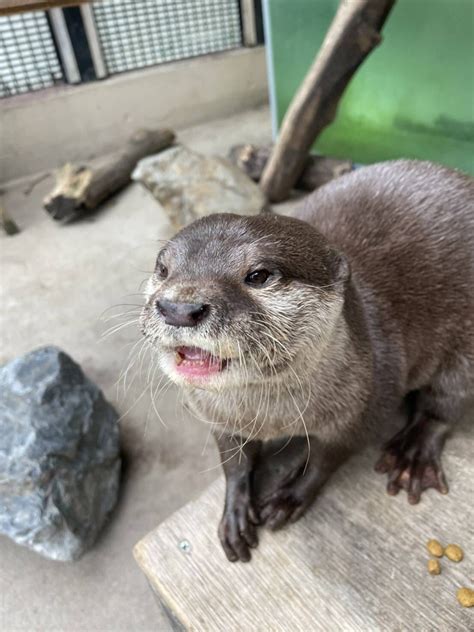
[413, 96]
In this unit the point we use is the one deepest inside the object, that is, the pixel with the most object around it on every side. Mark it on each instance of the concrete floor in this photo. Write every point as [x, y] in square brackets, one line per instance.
[56, 283]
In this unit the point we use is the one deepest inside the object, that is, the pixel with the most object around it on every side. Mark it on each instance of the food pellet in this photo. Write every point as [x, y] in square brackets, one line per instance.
[466, 597]
[454, 552]
[435, 548]
[434, 567]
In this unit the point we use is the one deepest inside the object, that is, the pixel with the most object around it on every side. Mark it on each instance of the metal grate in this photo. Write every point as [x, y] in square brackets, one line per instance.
[28, 59]
[138, 33]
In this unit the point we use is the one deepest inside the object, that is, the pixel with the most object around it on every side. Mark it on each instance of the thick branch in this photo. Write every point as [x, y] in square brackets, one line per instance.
[353, 34]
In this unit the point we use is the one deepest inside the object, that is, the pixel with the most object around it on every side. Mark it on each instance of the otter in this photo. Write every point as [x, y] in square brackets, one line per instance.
[320, 325]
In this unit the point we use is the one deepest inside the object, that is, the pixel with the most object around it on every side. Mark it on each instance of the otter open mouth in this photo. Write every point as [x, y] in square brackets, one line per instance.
[196, 362]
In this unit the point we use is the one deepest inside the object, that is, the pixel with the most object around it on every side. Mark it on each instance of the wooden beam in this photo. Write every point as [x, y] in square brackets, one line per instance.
[7, 7]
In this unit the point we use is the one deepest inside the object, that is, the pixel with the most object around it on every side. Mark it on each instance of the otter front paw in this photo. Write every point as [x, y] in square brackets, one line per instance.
[291, 500]
[237, 530]
[282, 507]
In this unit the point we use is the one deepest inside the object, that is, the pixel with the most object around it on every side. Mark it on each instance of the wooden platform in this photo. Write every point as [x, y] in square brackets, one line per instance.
[357, 561]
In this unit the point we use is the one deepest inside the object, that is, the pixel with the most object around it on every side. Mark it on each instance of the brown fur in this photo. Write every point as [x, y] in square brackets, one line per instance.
[370, 305]
[407, 229]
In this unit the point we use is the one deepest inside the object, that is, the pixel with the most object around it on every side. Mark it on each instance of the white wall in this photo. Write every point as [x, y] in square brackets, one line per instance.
[42, 130]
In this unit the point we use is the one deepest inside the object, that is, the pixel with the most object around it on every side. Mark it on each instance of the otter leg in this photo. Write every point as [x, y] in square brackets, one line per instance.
[237, 528]
[412, 458]
[299, 489]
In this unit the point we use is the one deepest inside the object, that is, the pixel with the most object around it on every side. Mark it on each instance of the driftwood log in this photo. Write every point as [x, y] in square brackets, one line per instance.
[353, 34]
[6, 222]
[80, 189]
[317, 170]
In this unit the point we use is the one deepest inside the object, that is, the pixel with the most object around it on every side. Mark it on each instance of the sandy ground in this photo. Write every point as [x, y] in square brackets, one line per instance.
[58, 284]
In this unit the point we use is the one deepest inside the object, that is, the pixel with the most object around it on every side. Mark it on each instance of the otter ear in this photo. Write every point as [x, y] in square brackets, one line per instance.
[342, 268]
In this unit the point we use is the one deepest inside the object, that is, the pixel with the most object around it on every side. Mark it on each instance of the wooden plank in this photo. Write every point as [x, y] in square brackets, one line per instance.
[356, 562]
[18, 6]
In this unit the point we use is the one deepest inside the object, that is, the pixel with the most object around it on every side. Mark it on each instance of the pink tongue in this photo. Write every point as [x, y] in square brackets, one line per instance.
[197, 362]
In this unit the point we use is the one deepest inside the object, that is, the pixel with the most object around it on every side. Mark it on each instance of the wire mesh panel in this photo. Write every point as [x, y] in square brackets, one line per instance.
[28, 59]
[138, 33]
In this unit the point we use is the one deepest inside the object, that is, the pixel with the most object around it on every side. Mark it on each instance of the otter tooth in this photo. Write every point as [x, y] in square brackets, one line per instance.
[178, 358]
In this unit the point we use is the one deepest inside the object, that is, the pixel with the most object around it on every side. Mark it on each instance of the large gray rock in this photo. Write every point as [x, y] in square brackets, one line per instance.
[59, 455]
[189, 185]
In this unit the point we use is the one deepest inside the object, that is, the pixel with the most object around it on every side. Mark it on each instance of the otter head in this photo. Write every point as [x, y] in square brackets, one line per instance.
[238, 300]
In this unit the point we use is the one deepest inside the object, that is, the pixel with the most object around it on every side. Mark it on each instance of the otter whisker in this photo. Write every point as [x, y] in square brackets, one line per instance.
[271, 365]
[154, 394]
[132, 359]
[264, 390]
[300, 413]
[116, 328]
[305, 429]
[133, 405]
[137, 306]
[136, 311]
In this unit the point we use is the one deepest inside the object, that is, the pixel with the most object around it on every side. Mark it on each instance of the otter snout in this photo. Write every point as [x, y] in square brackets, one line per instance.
[182, 314]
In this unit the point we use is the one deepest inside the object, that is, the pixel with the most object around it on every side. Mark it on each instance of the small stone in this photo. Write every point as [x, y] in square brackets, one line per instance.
[466, 597]
[454, 553]
[434, 567]
[435, 548]
[59, 455]
[189, 185]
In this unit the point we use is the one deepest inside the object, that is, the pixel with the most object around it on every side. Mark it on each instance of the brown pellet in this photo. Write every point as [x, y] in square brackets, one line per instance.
[466, 597]
[435, 548]
[454, 552]
[434, 567]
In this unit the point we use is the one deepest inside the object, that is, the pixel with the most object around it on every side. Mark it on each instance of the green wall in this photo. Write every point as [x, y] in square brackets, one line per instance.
[414, 95]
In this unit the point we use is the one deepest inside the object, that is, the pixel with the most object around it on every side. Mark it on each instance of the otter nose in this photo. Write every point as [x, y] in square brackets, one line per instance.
[182, 314]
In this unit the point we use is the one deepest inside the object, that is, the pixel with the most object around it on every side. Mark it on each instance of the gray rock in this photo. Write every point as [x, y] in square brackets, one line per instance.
[59, 455]
[189, 185]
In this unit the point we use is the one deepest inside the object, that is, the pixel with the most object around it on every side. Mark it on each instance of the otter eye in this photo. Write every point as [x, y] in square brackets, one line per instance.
[162, 270]
[257, 277]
